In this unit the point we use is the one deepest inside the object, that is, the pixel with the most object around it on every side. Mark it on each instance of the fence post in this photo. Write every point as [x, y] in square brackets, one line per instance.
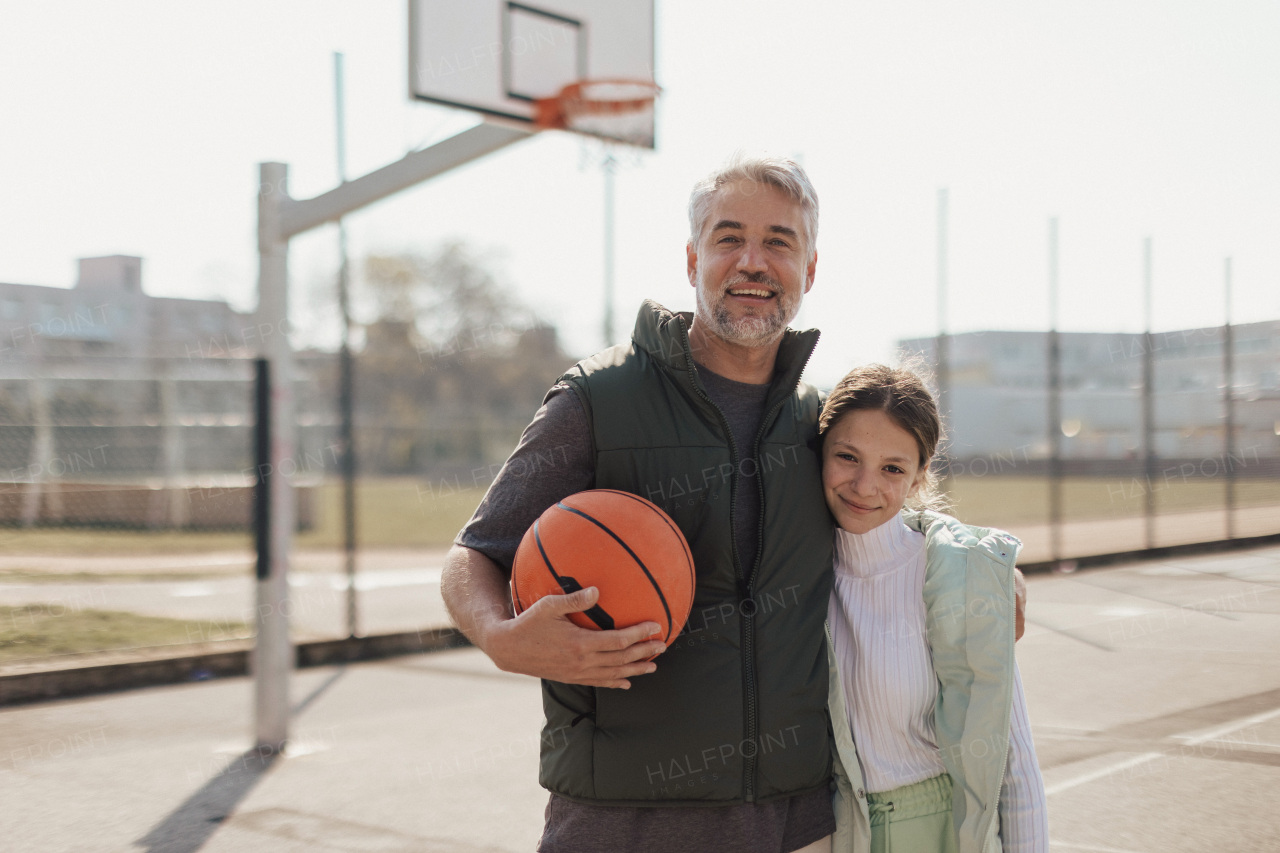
[1229, 401]
[1055, 402]
[1148, 400]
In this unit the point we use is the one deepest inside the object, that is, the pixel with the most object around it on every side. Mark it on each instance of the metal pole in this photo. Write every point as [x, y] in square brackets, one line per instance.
[610, 167]
[280, 218]
[1055, 402]
[346, 386]
[1229, 402]
[942, 348]
[273, 652]
[1148, 398]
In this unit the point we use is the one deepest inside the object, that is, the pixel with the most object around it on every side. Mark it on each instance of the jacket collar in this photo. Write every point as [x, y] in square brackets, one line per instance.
[664, 334]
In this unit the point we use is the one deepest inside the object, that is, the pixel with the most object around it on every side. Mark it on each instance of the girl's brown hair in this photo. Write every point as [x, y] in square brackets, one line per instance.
[903, 396]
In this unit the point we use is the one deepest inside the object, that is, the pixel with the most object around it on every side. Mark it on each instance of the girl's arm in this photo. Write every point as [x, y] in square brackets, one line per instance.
[1024, 814]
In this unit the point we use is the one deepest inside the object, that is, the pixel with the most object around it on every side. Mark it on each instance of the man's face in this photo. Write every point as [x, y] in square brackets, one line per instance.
[751, 267]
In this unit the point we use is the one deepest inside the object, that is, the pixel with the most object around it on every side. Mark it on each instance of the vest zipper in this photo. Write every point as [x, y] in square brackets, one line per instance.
[749, 632]
[747, 623]
[746, 634]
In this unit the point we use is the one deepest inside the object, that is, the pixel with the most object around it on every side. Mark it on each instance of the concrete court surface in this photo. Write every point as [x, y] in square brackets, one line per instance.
[1154, 691]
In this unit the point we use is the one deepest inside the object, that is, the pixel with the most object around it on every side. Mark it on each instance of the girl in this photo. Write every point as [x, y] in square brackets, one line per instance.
[933, 746]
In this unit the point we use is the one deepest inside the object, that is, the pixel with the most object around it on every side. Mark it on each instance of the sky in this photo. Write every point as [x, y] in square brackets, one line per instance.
[136, 126]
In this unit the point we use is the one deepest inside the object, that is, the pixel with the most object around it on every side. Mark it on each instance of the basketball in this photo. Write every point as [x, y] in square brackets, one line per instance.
[620, 543]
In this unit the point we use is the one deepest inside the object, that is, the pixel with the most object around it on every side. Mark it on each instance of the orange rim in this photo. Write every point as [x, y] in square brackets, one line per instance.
[574, 100]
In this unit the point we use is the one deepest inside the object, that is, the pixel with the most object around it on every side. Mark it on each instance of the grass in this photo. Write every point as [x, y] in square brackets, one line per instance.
[44, 630]
[417, 513]
[31, 576]
[390, 513]
[394, 514]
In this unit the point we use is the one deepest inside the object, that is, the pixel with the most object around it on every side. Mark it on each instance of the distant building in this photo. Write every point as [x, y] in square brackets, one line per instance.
[998, 395]
[107, 313]
[117, 407]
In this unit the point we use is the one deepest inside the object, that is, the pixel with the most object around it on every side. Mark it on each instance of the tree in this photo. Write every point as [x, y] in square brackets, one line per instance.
[452, 365]
[448, 296]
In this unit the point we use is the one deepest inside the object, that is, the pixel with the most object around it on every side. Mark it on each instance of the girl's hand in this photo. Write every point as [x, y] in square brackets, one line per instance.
[1020, 601]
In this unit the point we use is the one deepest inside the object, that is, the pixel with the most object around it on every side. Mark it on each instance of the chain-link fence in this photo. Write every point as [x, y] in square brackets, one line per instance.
[139, 444]
[1122, 462]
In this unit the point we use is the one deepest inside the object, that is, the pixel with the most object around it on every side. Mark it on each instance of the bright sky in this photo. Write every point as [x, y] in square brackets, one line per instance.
[136, 127]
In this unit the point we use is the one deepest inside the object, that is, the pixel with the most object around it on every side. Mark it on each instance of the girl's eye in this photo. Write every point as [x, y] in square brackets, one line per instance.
[894, 469]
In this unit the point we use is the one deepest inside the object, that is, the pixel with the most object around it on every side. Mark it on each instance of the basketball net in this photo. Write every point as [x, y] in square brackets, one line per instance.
[613, 109]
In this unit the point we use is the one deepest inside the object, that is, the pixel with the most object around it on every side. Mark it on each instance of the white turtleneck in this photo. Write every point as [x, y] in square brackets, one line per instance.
[877, 616]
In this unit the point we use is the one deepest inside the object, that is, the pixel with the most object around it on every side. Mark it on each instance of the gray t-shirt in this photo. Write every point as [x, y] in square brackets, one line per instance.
[552, 461]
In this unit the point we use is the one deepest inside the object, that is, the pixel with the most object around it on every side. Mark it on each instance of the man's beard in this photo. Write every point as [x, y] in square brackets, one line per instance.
[751, 331]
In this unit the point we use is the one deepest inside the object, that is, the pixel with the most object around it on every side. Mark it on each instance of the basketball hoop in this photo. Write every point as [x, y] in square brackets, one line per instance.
[619, 109]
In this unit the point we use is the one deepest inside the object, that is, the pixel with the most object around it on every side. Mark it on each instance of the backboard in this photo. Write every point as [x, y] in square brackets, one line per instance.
[496, 57]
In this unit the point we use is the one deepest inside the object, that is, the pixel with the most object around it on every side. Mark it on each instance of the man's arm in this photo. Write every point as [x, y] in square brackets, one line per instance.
[541, 641]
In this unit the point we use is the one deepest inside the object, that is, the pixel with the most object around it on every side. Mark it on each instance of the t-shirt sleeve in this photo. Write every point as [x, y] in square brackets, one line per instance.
[552, 461]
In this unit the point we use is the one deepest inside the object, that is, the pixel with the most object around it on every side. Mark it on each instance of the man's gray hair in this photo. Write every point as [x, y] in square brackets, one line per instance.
[781, 172]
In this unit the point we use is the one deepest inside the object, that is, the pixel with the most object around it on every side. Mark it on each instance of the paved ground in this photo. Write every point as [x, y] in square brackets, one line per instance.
[1154, 691]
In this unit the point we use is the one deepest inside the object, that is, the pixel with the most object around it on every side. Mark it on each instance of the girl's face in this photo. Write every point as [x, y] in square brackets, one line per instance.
[870, 466]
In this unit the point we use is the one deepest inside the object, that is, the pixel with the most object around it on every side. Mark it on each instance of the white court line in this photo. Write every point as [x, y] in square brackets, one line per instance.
[1102, 772]
[1089, 847]
[1190, 739]
[1194, 739]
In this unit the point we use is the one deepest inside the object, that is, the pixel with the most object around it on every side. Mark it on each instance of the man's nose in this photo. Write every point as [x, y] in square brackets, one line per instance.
[752, 258]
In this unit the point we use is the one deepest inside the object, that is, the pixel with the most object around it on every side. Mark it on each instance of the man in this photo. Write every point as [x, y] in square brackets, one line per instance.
[721, 743]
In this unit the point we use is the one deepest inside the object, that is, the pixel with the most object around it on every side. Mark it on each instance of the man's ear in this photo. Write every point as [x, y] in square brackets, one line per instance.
[691, 257]
[811, 272]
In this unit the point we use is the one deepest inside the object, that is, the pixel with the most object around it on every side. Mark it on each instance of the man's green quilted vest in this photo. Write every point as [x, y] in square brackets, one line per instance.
[736, 711]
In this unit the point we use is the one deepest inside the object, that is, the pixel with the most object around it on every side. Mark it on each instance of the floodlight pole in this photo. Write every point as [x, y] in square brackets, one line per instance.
[610, 169]
[281, 218]
[346, 378]
[942, 344]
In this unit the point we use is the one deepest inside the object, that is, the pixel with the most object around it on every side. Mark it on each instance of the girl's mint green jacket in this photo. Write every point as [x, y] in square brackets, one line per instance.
[969, 601]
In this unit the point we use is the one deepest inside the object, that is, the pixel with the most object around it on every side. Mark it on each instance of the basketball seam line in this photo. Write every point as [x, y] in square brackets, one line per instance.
[656, 587]
[537, 538]
[666, 519]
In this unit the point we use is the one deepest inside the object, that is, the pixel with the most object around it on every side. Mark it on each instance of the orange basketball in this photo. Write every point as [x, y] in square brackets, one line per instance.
[617, 542]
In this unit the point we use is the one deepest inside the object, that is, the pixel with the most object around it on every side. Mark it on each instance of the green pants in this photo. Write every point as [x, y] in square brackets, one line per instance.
[914, 818]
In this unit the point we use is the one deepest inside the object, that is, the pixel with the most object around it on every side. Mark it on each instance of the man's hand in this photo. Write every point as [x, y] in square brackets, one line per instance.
[1020, 601]
[542, 642]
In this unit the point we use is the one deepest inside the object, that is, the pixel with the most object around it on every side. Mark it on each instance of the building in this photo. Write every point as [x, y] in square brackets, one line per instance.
[107, 313]
[121, 408]
[997, 399]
